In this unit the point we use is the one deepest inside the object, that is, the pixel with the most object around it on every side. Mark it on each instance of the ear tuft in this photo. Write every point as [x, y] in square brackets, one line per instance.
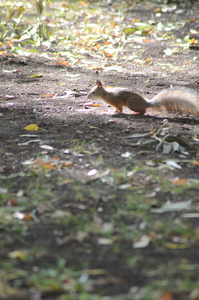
[98, 83]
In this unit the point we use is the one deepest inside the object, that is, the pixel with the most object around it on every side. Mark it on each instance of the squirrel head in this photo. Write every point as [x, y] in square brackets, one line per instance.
[96, 91]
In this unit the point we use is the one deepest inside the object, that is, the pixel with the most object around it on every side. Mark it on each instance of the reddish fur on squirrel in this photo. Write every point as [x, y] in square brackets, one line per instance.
[173, 99]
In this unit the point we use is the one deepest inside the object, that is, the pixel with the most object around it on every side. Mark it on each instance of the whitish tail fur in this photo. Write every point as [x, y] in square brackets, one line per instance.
[177, 99]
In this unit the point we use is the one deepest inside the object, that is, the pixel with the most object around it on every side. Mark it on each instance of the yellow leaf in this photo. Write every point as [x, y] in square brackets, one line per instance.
[20, 10]
[63, 84]
[18, 254]
[145, 32]
[156, 111]
[135, 20]
[31, 127]
[11, 12]
[177, 246]
[35, 76]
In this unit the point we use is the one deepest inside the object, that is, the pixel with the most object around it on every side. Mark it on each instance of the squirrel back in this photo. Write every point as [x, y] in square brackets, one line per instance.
[173, 99]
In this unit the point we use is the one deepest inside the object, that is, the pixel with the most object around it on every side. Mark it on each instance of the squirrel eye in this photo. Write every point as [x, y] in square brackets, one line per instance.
[94, 92]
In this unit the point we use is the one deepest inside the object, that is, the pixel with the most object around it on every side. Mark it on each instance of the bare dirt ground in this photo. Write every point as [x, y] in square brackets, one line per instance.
[85, 137]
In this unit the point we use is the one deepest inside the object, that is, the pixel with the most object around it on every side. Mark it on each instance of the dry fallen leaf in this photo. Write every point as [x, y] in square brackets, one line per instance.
[27, 217]
[48, 166]
[18, 254]
[106, 43]
[192, 41]
[40, 163]
[31, 127]
[68, 164]
[21, 216]
[148, 60]
[146, 41]
[143, 242]
[83, 3]
[180, 181]
[48, 96]
[55, 158]
[97, 47]
[96, 105]
[13, 202]
[166, 296]
[62, 63]
[175, 246]
[107, 54]
[35, 76]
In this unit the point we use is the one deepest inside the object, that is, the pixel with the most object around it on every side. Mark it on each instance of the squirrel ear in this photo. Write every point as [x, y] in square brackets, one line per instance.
[98, 83]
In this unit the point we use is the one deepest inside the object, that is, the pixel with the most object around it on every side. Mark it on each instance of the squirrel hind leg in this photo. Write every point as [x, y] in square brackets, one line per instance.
[138, 111]
[138, 105]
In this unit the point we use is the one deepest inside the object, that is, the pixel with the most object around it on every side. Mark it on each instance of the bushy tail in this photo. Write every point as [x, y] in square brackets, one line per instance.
[177, 99]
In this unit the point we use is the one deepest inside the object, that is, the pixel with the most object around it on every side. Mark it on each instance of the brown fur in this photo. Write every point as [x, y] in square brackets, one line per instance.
[182, 100]
[119, 98]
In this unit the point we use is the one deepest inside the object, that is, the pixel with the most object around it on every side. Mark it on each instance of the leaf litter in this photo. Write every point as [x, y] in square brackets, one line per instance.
[88, 194]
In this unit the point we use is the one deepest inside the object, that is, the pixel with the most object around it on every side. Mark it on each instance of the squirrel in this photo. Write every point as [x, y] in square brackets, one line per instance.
[172, 99]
